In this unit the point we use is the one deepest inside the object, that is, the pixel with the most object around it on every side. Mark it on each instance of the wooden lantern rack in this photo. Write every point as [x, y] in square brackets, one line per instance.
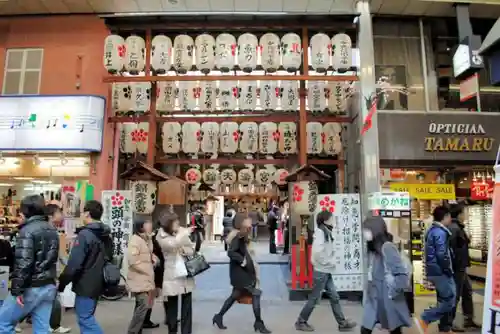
[302, 117]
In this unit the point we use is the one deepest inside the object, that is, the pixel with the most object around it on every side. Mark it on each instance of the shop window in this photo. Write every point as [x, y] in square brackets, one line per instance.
[23, 68]
[398, 65]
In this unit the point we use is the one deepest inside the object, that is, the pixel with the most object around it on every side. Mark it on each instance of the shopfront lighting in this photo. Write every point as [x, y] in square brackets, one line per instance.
[41, 182]
[6, 184]
[23, 178]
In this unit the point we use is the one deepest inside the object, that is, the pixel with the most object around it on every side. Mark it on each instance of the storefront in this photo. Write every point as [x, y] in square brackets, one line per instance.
[440, 158]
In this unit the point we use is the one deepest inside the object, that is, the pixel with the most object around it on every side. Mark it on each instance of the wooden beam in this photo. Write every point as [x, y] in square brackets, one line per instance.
[302, 110]
[230, 118]
[158, 78]
[226, 161]
[152, 105]
[329, 118]
[326, 162]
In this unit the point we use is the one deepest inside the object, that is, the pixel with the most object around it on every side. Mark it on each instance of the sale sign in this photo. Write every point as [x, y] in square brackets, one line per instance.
[491, 310]
[482, 190]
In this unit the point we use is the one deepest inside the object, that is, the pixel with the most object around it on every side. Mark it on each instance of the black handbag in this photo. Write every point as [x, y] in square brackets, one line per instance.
[196, 264]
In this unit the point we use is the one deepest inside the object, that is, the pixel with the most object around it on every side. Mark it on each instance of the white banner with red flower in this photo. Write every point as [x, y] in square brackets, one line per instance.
[304, 197]
[118, 215]
[346, 210]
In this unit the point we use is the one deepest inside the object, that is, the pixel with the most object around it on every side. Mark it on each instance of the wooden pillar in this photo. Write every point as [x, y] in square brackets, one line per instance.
[152, 107]
[303, 96]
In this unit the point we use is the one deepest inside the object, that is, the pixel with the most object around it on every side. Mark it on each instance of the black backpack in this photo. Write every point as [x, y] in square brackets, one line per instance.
[110, 271]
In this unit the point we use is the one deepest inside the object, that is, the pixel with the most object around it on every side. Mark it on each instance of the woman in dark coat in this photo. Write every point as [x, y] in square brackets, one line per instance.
[242, 272]
[228, 225]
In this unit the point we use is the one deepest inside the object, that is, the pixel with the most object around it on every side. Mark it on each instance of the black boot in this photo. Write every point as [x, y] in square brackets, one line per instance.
[217, 320]
[259, 326]
[147, 321]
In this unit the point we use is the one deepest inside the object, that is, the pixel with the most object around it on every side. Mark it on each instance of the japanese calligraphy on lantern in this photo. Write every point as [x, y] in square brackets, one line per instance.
[264, 176]
[117, 205]
[346, 210]
[304, 197]
[228, 176]
[143, 196]
[210, 176]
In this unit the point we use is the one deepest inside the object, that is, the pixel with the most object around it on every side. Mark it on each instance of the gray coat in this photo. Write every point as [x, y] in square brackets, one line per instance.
[390, 313]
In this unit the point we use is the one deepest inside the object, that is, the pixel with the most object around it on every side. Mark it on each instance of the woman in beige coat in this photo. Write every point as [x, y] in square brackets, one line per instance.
[175, 244]
[140, 275]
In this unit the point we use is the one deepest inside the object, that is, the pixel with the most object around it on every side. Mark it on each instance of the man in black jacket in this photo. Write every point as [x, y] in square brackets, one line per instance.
[198, 225]
[33, 287]
[459, 244]
[91, 249]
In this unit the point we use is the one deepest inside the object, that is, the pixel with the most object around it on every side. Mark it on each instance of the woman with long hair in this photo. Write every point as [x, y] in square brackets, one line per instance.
[243, 272]
[140, 274]
[175, 244]
[388, 277]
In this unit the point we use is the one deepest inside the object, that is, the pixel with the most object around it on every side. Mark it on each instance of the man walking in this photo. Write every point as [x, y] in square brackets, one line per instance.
[257, 219]
[459, 243]
[92, 248]
[272, 223]
[33, 286]
[323, 261]
[439, 272]
[198, 224]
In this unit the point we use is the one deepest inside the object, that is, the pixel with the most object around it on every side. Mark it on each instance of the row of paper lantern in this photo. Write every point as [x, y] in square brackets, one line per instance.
[224, 52]
[229, 137]
[229, 176]
[229, 95]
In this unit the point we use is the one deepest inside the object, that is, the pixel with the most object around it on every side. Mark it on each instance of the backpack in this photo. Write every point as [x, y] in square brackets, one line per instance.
[110, 271]
[389, 277]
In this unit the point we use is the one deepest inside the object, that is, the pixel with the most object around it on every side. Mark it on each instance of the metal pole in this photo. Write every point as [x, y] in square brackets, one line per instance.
[423, 53]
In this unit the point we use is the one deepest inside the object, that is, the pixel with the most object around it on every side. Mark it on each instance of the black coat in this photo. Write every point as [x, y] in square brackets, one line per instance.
[36, 255]
[161, 266]
[459, 244]
[242, 276]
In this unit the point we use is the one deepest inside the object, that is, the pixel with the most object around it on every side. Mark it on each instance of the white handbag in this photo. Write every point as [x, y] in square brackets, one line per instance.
[68, 297]
[180, 267]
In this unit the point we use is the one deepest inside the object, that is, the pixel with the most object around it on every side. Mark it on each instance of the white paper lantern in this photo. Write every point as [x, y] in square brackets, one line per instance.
[142, 137]
[290, 95]
[287, 137]
[316, 97]
[191, 137]
[291, 49]
[205, 52]
[229, 137]
[143, 196]
[248, 95]
[127, 145]
[320, 52]
[193, 176]
[210, 176]
[268, 138]
[187, 95]
[332, 142]
[141, 96]
[122, 97]
[228, 176]
[225, 52]
[279, 176]
[183, 53]
[245, 177]
[161, 54]
[171, 137]
[342, 52]
[114, 53]
[166, 94]
[315, 138]
[134, 59]
[337, 101]
[270, 93]
[304, 197]
[249, 142]
[210, 137]
[228, 95]
[247, 52]
[264, 177]
[270, 46]
[208, 95]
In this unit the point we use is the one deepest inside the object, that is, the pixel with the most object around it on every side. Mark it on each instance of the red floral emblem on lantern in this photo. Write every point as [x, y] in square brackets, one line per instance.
[199, 135]
[236, 92]
[139, 135]
[68, 189]
[233, 49]
[236, 135]
[277, 90]
[297, 193]
[117, 199]
[330, 51]
[323, 137]
[192, 176]
[276, 135]
[196, 92]
[122, 50]
[327, 204]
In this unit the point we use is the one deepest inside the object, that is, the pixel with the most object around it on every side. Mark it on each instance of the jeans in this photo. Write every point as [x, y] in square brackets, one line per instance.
[322, 282]
[464, 291]
[85, 309]
[254, 231]
[37, 302]
[446, 294]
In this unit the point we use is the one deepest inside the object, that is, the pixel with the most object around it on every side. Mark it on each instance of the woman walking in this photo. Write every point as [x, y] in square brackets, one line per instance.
[243, 272]
[175, 243]
[388, 277]
[140, 275]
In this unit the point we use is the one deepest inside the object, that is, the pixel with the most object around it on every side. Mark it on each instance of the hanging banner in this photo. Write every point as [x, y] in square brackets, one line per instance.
[482, 190]
[426, 191]
[491, 308]
[390, 204]
[118, 215]
[346, 209]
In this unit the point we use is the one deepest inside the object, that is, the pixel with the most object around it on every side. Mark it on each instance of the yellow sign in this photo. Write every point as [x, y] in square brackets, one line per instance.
[459, 144]
[426, 191]
[421, 290]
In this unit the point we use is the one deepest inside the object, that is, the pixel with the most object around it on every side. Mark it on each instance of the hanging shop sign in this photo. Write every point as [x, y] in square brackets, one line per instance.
[426, 191]
[482, 190]
[51, 123]
[143, 196]
[446, 136]
[118, 214]
[392, 174]
[346, 209]
[390, 204]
